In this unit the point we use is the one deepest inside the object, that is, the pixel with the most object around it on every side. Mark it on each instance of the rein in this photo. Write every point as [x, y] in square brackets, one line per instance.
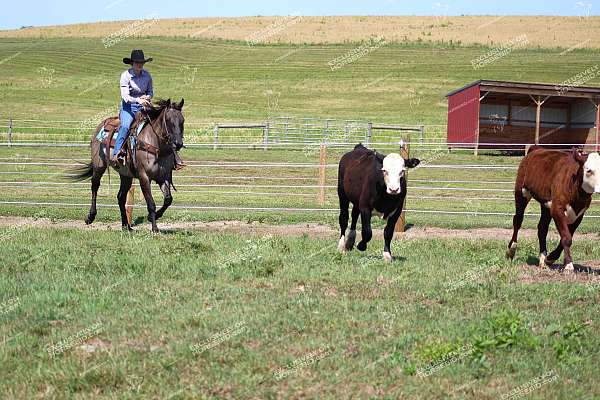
[164, 138]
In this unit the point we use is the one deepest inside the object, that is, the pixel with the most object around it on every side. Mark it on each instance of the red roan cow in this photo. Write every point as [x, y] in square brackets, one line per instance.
[372, 182]
[563, 183]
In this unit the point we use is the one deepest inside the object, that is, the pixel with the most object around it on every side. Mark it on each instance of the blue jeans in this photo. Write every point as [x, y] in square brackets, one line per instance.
[126, 115]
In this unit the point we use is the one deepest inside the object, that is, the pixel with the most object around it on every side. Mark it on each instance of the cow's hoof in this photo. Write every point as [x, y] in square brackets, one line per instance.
[542, 263]
[569, 269]
[342, 245]
[387, 257]
[512, 250]
[549, 262]
[349, 245]
[361, 246]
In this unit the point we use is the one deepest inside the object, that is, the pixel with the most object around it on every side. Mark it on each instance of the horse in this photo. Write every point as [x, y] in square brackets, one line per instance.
[153, 160]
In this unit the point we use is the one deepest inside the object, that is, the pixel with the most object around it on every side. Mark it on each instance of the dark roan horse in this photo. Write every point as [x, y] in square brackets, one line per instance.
[154, 159]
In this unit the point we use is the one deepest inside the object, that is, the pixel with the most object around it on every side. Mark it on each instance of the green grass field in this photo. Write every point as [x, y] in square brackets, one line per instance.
[195, 314]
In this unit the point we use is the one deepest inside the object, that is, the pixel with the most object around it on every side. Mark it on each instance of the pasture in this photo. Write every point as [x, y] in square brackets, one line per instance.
[262, 306]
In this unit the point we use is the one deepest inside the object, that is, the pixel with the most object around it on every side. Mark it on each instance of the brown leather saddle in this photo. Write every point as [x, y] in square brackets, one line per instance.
[111, 126]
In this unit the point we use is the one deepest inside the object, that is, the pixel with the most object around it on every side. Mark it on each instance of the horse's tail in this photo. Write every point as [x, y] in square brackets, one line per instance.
[82, 173]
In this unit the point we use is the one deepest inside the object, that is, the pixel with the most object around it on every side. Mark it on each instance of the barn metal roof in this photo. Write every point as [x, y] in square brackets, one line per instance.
[540, 89]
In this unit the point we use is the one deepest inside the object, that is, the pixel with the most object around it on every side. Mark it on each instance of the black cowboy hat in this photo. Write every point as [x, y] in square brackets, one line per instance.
[136, 56]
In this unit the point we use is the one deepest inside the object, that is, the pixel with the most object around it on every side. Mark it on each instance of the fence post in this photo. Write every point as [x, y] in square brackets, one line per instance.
[369, 133]
[10, 126]
[129, 204]
[215, 136]
[421, 134]
[405, 153]
[322, 173]
[266, 136]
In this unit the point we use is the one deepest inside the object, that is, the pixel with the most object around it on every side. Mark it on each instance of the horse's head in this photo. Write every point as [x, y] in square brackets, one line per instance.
[174, 123]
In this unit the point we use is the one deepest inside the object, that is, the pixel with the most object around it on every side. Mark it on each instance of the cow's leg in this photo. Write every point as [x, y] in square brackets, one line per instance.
[343, 219]
[150, 204]
[96, 178]
[352, 234]
[388, 234]
[165, 188]
[122, 199]
[521, 202]
[366, 233]
[543, 225]
[555, 254]
[566, 238]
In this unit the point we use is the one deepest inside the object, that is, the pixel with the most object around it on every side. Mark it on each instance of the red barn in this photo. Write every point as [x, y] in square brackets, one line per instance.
[510, 115]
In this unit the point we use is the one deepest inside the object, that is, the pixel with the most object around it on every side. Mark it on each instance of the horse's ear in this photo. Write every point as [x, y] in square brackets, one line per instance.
[180, 105]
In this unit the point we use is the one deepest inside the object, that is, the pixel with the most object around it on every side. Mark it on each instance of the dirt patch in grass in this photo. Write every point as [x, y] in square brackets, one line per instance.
[291, 230]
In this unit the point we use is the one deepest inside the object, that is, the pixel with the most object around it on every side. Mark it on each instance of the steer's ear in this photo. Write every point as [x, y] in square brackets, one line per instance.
[580, 157]
[412, 162]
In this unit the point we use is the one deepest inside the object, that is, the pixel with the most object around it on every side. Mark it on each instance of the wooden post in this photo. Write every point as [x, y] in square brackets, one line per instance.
[266, 136]
[322, 174]
[129, 204]
[10, 126]
[215, 136]
[405, 153]
[538, 117]
[369, 133]
[421, 133]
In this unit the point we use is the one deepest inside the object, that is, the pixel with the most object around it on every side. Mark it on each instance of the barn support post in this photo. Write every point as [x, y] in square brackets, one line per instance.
[215, 136]
[129, 204]
[405, 153]
[476, 151]
[322, 173]
[538, 117]
[597, 126]
[10, 126]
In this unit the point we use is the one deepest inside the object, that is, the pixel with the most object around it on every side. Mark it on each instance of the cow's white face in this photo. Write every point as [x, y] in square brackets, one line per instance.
[393, 171]
[591, 174]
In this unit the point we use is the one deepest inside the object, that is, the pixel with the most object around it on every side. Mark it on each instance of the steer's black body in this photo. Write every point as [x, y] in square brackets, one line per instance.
[361, 182]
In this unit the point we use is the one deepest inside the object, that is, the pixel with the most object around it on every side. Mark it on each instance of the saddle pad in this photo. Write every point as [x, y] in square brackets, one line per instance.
[103, 134]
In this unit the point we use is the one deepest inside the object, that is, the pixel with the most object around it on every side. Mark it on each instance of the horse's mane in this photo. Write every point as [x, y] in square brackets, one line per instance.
[159, 105]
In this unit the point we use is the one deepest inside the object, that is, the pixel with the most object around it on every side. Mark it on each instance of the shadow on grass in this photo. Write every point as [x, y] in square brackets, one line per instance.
[534, 262]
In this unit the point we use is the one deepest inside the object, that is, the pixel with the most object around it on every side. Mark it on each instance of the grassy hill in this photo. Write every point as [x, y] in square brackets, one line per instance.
[542, 31]
[76, 78]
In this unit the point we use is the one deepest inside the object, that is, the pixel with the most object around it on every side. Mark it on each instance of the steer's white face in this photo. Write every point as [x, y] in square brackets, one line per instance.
[393, 170]
[591, 174]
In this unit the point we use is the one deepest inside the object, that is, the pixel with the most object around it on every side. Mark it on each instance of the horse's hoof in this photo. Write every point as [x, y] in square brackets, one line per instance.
[362, 246]
[90, 219]
[155, 230]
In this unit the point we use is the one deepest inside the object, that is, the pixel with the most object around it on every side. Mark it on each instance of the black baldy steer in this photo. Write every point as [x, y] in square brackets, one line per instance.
[373, 183]
[563, 183]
